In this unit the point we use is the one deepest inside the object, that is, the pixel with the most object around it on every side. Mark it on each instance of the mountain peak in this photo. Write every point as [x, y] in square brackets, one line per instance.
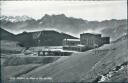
[54, 15]
[63, 15]
[46, 15]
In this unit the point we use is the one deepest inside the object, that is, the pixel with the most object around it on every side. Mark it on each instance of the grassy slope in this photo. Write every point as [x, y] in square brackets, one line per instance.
[17, 66]
[70, 69]
[84, 66]
[11, 71]
[118, 55]
[14, 61]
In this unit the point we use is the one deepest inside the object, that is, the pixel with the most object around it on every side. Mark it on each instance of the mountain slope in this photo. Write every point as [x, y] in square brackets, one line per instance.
[84, 66]
[106, 65]
[43, 38]
[116, 32]
[38, 38]
[5, 35]
[9, 43]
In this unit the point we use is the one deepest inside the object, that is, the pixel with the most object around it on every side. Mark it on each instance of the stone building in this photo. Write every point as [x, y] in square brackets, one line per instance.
[87, 41]
[90, 40]
[93, 40]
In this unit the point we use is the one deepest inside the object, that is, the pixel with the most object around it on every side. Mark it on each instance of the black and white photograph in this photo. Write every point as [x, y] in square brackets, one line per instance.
[66, 41]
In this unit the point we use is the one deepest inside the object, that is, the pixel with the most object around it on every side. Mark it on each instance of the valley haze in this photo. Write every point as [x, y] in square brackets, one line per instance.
[62, 23]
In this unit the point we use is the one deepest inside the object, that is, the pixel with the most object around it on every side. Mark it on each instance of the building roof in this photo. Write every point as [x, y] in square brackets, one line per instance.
[90, 34]
[80, 45]
[71, 39]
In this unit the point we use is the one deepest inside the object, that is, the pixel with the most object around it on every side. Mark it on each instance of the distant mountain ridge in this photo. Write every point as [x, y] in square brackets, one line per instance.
[43, 38]
[5, 35]
[38, 38]
[71, 25]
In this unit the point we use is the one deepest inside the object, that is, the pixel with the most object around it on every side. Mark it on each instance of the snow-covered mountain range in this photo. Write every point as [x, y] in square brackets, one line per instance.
[113, 28]
[15, 18]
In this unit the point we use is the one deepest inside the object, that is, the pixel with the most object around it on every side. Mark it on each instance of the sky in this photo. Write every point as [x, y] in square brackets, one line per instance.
[88, 10]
